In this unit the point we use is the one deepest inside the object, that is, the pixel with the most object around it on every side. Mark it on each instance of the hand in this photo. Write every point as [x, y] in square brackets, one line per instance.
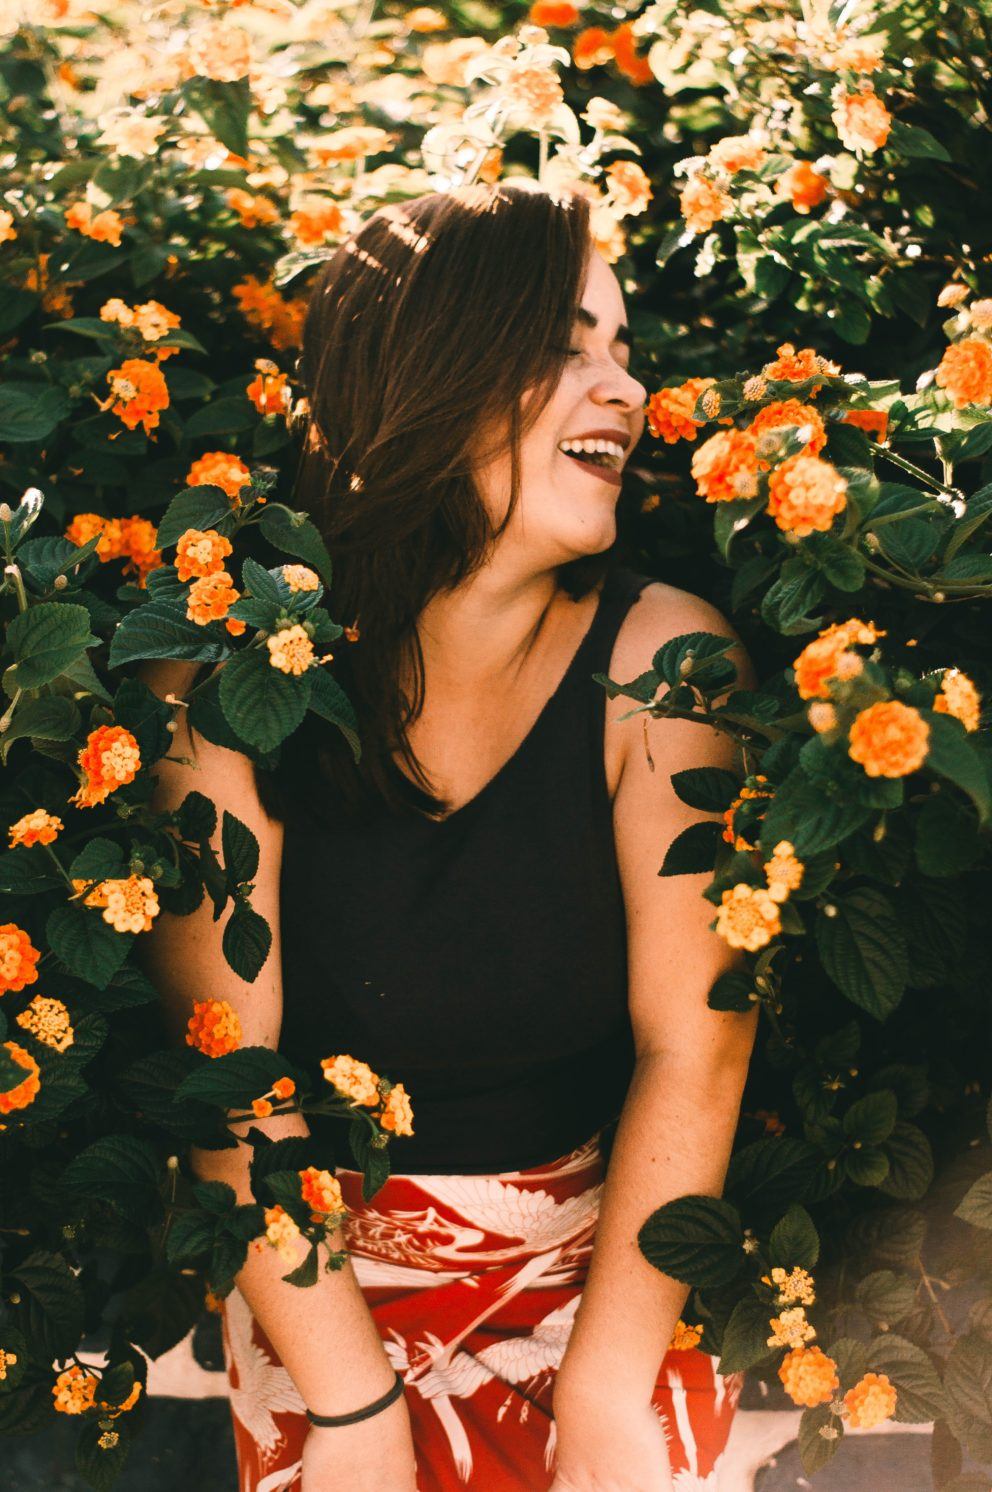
[375, 1455]
[608, 1446]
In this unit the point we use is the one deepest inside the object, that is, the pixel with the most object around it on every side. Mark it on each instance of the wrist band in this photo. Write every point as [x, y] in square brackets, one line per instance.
[330, 1420]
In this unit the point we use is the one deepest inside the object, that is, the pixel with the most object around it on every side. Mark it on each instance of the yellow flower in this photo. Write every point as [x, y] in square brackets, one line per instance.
[959, 697]
[794, 1286]
[861, 119]
[291, 650]
[702, 203]
[74, 1390]
[809, 1376]
[818, 662]
[48, 1021]
[684, 1337]
[131, 904]
[397, 1113]
[352, 1079]
[791, 1329]
[282, 1233]
[322, 1192]
[7, 1360]
[300, 577]
[748, 917]
[737, 153]
[889, 739]
[785, 873]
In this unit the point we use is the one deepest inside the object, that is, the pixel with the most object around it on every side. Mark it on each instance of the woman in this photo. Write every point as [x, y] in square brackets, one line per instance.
[504, 946]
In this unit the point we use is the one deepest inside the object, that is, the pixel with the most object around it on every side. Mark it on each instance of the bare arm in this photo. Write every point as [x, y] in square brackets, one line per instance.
[324, 1333]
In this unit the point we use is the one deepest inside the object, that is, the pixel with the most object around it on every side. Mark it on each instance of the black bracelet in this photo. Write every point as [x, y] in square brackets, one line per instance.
[325, 1420]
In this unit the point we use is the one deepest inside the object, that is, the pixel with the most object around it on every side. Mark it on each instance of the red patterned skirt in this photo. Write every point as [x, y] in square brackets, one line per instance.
[473, 1282]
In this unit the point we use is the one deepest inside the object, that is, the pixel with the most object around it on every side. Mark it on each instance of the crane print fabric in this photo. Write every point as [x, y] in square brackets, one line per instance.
[473, 1282]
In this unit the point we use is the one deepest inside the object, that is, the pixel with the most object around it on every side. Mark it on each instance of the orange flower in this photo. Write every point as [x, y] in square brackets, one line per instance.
[748, 917]
[791, 1329]
[321, 1192]
[154, 321]
[130, 903]
[220, 51]
[809, 1376]
[534, 92]
[110, 759]
[300, 577]
[137, 539]
[818, 662]
[872, 1400]
[556, 13]
[105, 227]
[201, 552]
[747, 792]
[220, 469]
[268, 390]
[74, 1390]
[354, 1080]
[211, 598]
[889, 739]
[261, 1108]
[965, 371]
[669, 411]
[282, 1233]
[253, 211]
[7, 230]
[784, 412]
[138, 392]
[284, 1087]
[861, 119]
[796, 367]
[213, 1303]
[18, 957]
[702, 203]
[959, 697]
[634, 68]
[214, 1028]
[592, 48]
[86, 526]
[36, 827]
[726, 467]
[783, 871]
[291, 650]
[737, 153]
[805, 495]
[316, 220]
[397, 1113]
[684, 1337]
[27, 1090]
[804, 187]
[628, 188]
[871, 421]
[48, 1021]
[263, 306]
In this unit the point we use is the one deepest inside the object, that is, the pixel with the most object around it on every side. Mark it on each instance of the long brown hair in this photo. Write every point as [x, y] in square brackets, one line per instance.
[424, 332]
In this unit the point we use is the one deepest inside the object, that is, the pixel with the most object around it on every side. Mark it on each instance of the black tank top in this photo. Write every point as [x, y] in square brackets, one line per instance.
[481, 959]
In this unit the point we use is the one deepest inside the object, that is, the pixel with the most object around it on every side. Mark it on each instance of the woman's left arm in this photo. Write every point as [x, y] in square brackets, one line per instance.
[680, 1115]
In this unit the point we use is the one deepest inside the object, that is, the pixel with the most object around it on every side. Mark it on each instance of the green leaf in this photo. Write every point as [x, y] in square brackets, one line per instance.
[947, 836]
[51, 1311]
[771, 1173]
[30, 412]
[122, 1170]
[46, 639]
[913, 141]
[863, 950]
[222, 417]
[54, 717]
[911, 1166]
[816, 1449]
[246, 941]
[975, 1206]
[710, 789]
[745, 1336]
[909, 1369]
[232, 1081]
[240, 849]
[146, 716]
[284, 529]
[794, 1240]
[160, 629]
[306, 1273]
[731, 519]
[968, 1383]
[693, 851]
[86, 945]
[951, 755]
[698, 1240]
[261, 704]
[99, 860]
[27, 871]
[866, 1167]
[373, 1162]
[701, 654]
[329, 701]
[886, 1297]
[731, 991]
[841, 564]
[201, 508]
[872, 1118]
[197, 817]
[225, 108]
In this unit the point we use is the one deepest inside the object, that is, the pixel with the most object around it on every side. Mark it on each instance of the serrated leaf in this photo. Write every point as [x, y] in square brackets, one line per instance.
[911, 1166]
[921, 1395]
[87, 945]
[122, 1170]
[794, 1240]
[46, 640]
[693, 851]
[246, 941]
[864, 952]
[871, 1119]
[240, 849]
[261, 704]
[968, 1383]
[52, 1305]
[200, 507]
[698, 1240]
[161, 629]
[709, 789]
[232, 1081]
[745, 1336]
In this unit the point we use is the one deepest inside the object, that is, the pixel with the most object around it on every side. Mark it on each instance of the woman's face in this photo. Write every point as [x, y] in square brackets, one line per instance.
[567, 505]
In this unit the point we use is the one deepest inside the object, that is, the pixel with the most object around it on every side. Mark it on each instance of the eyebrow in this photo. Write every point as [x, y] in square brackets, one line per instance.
[623, 332]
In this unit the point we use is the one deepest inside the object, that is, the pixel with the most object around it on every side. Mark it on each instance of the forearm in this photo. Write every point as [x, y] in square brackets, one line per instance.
[673, 1138]
[324, 1333]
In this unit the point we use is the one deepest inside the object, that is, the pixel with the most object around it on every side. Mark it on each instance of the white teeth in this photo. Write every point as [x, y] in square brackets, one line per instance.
[609, 448]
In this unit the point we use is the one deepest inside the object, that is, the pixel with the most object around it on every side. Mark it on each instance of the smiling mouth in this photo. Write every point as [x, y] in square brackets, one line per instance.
[607, 473]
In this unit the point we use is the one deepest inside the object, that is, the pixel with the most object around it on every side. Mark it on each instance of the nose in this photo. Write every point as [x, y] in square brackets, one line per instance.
[618, 386]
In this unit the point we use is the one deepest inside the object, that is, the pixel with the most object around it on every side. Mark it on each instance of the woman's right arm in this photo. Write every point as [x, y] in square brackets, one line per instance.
[324, 1334]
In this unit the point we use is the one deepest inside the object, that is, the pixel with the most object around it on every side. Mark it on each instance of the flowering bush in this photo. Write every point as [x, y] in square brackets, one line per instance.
[171, 179]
